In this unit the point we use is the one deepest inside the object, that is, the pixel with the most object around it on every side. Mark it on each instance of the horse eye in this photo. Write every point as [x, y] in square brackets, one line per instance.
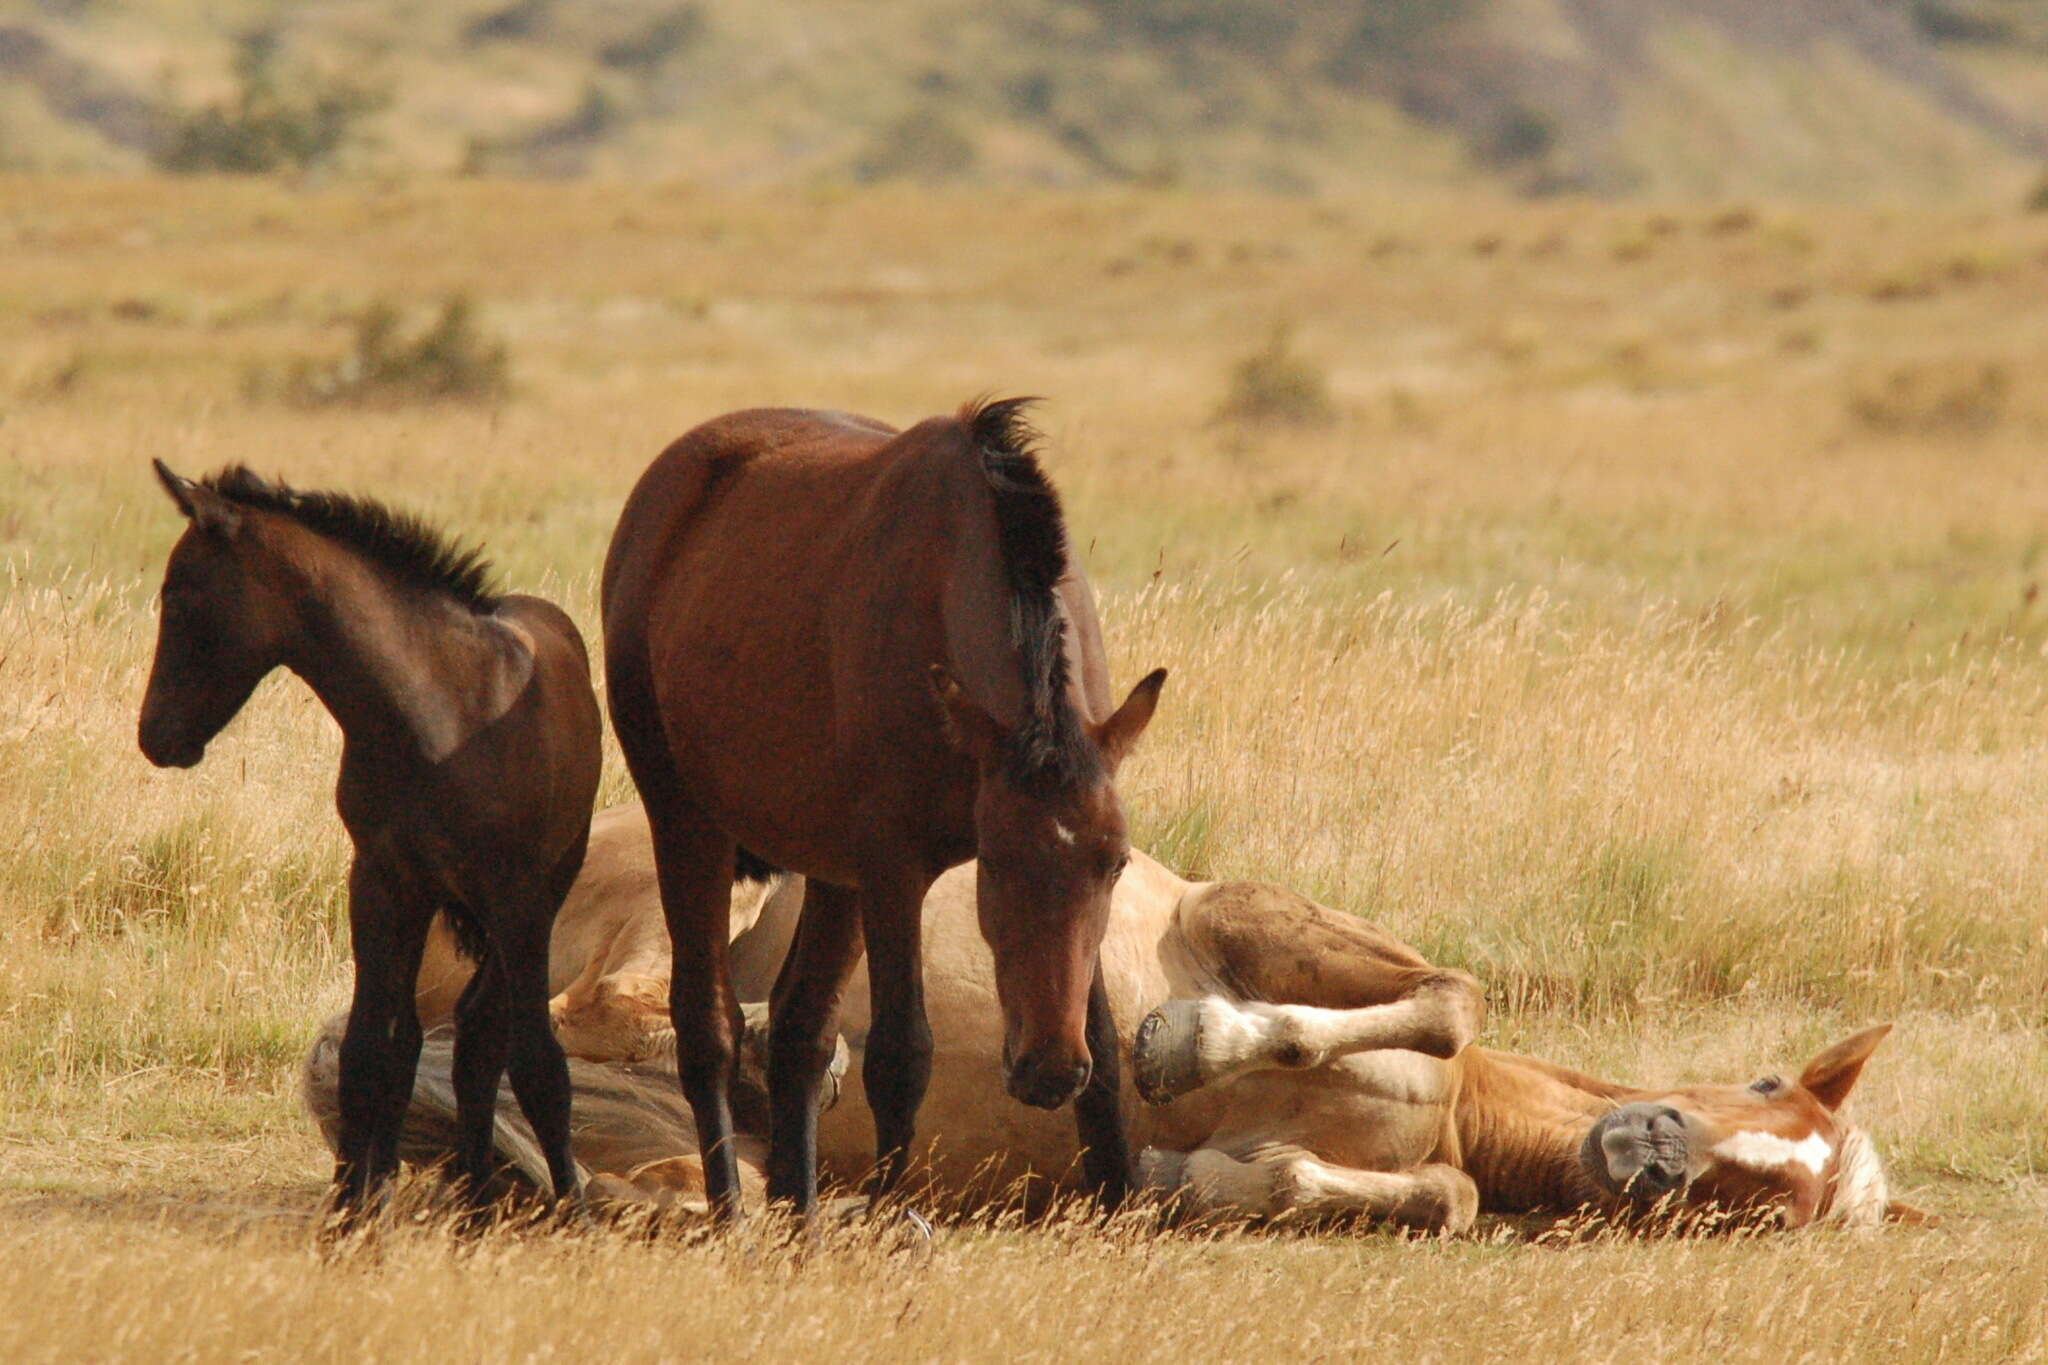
[1117, 869]
[1769, 1085]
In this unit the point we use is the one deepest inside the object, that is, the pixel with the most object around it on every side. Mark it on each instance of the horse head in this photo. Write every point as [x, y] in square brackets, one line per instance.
[1051, 844]
[1770, 1150]
[221, 628]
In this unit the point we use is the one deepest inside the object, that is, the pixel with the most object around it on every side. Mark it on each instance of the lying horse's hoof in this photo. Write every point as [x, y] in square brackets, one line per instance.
[1166, 1057]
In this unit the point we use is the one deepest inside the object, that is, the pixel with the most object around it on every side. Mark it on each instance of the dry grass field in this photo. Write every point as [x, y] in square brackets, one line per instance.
[1637, 606]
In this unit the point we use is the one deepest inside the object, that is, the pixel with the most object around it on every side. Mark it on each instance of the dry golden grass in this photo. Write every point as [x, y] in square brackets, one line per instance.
[1059, 1294]
[1601, 643]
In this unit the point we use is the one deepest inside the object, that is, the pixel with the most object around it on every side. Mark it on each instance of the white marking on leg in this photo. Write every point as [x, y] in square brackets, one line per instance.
[1231, 1035]
[1768, 1152]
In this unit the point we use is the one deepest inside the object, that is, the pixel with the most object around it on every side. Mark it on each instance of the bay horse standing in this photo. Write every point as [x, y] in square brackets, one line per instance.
[865, 655]
[469, 765]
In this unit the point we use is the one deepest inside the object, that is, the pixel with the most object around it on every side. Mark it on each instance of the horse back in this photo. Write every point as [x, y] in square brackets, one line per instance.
[777, 589]
[683, 485]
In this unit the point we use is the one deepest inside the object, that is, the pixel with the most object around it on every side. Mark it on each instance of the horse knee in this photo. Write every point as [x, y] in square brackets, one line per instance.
[1441, 1199]
[1454, 1007]
[705, 1066]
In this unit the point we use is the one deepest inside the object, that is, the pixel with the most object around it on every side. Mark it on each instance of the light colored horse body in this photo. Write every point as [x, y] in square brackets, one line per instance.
[1301, 1064]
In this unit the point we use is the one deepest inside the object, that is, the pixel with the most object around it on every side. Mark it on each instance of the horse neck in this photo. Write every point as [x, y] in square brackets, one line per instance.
[1521, 1124]
[384, 660]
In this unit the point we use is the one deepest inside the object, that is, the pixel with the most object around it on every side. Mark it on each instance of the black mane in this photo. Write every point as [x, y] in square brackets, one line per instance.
[408, 547]
[1032, 533]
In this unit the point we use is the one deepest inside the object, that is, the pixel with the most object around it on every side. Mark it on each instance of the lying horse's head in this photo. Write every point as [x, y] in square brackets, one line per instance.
[1051, 843]
[1774, 1149]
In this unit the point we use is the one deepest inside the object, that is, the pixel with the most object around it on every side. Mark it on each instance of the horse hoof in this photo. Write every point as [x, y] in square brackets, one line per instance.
[1166, 1057]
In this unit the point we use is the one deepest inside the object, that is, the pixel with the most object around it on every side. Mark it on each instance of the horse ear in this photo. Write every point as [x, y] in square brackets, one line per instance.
[1119, 734]
[1832, 1075]
[973, 731]
[208, 510]
[178, 486]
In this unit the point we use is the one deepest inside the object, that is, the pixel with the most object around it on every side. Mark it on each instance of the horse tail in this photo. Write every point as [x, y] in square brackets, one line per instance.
[624, 1115]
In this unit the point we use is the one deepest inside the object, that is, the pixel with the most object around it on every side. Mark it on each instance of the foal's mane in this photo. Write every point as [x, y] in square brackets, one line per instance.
[412, 550]
[1031, 532]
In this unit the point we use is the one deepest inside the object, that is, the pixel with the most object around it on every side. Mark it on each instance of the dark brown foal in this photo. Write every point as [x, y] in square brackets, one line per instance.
[469, 764]
[866, 656]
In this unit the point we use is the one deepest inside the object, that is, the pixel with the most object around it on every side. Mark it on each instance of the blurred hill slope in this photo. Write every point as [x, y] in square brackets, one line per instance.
[1822, 98]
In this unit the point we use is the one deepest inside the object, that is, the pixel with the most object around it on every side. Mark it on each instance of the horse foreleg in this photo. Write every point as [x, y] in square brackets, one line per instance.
[1184, 1045]
[380, 1048]
[1098, 1109]
[801, 1036]
[1289, 1184]
[898, 1066]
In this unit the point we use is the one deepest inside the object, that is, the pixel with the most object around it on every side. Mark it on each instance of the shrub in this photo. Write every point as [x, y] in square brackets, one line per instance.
[451, 360]
[659, 39]
[263, 129]
[2037, 198]
[1274, 384]
[1979, 22]
[924, 144]
[1934, 399]
[1521, 135]
[517, 21]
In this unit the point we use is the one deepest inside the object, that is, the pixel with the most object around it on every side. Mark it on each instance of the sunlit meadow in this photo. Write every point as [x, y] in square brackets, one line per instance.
[1634, 606]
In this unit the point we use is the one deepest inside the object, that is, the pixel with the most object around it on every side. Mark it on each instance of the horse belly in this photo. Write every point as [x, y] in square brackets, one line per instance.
[1374, 1111]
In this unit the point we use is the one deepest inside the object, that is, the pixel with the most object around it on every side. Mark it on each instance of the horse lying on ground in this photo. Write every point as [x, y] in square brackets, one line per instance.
[469, 762]
[1301, 1065]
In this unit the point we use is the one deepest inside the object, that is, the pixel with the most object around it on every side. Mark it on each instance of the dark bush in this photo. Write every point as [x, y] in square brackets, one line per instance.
[1274, 384]
[661, 38]
[267, 127]
[450, 361]
[924, 144]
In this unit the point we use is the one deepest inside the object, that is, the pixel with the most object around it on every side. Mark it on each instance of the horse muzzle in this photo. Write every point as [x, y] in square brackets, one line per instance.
[1640, 1151]
[1045, 1083]
[169, 751]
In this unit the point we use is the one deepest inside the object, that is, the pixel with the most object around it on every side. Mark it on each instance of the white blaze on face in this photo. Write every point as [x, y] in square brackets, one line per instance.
[1765, 1152]
[1062, 833]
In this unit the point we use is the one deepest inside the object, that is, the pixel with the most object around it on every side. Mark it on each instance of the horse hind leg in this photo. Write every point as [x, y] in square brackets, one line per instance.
[530, 1051]
[694, 861]
[482, 1044]
[1291, 1185]
[1185, 1045]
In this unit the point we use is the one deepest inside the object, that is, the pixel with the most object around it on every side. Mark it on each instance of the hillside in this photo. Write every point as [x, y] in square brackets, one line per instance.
[1818, 98]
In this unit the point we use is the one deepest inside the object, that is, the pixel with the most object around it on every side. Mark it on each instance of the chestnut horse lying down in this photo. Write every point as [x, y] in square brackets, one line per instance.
[1299, 1064]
